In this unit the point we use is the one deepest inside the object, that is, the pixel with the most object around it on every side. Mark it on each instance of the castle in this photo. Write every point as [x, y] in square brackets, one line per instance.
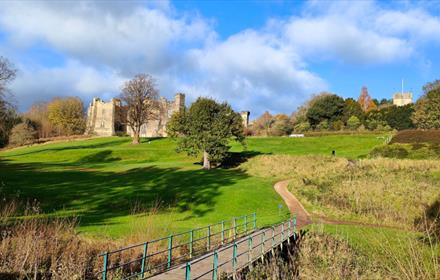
[107, 118]
[401, 99]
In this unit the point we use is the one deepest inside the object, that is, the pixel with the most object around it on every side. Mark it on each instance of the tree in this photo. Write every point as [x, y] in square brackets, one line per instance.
[427, 110]
[328, 108]
[367, 104]
[264, 124]
[352, 108]
[206, 127]
[353, 122]
[8, 116]
[23, 134]
[398, 117]
[39, 114]
[431, 86]
[281, 126]
[67, 114]
[141, 98]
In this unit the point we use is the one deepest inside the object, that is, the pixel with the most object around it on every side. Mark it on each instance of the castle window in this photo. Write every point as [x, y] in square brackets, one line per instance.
[102, 124]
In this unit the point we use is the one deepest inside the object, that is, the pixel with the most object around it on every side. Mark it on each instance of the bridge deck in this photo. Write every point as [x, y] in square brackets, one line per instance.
[248, 249]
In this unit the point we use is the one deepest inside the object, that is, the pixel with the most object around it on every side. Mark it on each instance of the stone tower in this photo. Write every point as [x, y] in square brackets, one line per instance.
[103, 117]
[245, 116]
[401, 99]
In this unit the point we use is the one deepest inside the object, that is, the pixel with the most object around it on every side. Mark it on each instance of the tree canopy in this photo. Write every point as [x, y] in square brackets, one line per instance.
[206, 127]
[67, 115]
[328, 108]
[427, 110]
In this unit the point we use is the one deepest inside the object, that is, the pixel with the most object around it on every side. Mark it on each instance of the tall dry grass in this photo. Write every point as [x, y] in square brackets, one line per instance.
[381, 191]
[33, 248]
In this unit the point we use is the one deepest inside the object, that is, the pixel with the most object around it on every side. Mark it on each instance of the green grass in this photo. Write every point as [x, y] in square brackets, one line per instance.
[101, 181]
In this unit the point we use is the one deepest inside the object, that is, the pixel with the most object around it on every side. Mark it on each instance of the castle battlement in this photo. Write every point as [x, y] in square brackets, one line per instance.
[401, 99]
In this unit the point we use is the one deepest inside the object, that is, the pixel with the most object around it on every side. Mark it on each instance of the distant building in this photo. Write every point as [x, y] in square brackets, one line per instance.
[401, 99]
[107, 118]
[245, 116]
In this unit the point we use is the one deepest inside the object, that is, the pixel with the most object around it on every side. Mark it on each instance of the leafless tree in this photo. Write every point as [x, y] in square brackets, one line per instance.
[7, 74]
[140, 96]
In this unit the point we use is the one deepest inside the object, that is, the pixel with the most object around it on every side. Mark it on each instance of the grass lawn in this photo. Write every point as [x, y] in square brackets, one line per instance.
[111, 185]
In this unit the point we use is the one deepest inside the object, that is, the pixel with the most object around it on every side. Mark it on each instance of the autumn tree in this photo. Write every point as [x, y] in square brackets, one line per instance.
[23, 134]
[427, 110]
[67, 115]
[263, 124]
[367, 104]
[8, 115]
[352, 108]
[39, 115]
[140, 96]
[206, 128]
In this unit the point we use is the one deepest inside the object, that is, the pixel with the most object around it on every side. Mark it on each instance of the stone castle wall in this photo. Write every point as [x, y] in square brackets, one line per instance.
[103, 118]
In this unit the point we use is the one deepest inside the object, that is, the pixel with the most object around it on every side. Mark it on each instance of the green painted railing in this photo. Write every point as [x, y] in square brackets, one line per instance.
[156, 256]
[254, 251]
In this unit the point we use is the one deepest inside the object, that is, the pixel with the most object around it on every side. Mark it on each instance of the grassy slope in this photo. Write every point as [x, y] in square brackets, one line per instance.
[102, 180]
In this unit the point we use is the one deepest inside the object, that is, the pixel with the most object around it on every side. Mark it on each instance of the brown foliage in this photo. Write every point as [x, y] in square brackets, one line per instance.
[417, 136]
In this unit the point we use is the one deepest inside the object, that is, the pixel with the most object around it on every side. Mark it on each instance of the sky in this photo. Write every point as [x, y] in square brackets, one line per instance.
[256, 55]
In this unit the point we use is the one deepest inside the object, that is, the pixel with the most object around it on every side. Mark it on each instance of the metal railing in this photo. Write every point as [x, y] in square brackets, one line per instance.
[155, 256]
[268, 240]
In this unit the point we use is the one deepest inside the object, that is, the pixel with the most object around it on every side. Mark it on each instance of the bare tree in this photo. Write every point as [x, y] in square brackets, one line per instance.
[141, 98]
[7, 110]
[7, 74]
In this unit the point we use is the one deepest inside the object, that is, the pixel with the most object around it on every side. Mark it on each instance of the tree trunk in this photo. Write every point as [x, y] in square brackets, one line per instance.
[136, 138]
[206, 163]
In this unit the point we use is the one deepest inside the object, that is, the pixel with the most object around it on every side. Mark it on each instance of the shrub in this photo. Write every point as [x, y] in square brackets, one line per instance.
[302, 127]
[22, 134]
[391, 151]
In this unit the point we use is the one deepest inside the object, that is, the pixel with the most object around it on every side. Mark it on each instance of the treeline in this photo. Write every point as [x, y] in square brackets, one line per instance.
[330, 112]
[59, 117]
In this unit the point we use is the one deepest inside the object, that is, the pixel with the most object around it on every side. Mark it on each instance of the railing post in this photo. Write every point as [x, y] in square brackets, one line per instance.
[282, 235]
[250, 250]
[208, 244]
[263, 239]
[215, 266]
[170, 249]
[255, 220]
[273, 239]
[223, 232]
[235, 228]
[245, 224]
[294, 223]
[188, 271]
[104, 271]
[191, 238]
[234, 257]
[144, 257]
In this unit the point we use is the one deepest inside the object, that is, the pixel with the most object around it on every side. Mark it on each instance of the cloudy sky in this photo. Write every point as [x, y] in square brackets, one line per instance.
[257, 55]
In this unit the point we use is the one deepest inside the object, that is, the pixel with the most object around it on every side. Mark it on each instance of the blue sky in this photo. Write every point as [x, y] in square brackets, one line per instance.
[257, 55]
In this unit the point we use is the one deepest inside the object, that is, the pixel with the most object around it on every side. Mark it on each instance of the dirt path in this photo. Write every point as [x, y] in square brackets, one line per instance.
[295, 207]
[303, 217]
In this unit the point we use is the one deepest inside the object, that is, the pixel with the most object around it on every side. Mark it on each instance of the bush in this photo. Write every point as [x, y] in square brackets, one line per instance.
[302, 127]
[417, 136]
[391, 151]
[23, 134]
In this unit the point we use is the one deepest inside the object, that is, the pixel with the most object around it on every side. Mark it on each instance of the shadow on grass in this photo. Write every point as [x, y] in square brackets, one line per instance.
[100, 195]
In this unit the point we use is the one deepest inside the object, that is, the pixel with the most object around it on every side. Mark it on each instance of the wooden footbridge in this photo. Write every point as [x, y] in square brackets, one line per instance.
[221, 249]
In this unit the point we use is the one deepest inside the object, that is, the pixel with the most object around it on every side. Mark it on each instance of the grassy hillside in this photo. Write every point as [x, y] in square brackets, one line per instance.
[112, 186]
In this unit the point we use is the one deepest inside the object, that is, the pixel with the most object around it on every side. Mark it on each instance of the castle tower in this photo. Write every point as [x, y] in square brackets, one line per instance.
[179, 102]
[245, 116]
[402, 99]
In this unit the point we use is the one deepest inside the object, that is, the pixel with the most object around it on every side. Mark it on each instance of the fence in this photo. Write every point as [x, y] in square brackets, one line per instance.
[230, 259]
[155, 256]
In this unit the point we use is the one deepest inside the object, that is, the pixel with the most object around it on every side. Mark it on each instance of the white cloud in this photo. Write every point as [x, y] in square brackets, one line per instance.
[266, 69]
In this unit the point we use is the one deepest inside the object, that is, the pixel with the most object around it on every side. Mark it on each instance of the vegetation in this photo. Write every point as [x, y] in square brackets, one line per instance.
[427, 110]
[207, 127]
[8, 116]
[417, 136]
[67, 115]
[22, 134]
[140, 97]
